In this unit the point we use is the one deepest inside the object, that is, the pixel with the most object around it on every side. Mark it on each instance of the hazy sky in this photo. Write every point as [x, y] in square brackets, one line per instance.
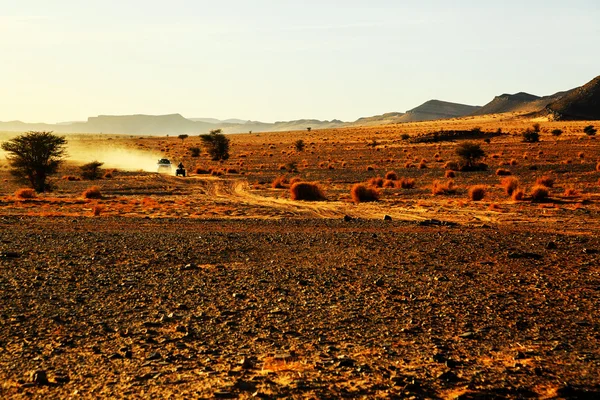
[280, 60]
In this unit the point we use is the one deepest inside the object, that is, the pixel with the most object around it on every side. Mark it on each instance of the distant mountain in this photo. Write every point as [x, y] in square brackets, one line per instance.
[384, 119]
[582, 103]
[436, 109]
[172, 124]
[219, 121]
[520, 102]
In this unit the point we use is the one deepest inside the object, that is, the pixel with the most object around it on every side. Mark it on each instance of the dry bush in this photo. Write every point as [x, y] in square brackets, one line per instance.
[377, 182]
[408, 165]
[443, 188]
[370, 168]
[571, 192]
[581, 154]
[307, 191]
[389, 184]
[97, 210]
[510, 185]
[495, 156]
[25, 194]
[283, 168]
[477, 193]
[539, 193]
[406, 183]
[295, 180]
[452, 165]
[362, 193]
[71, 178]
[201, 171]
[598, 167]
[503, 172]
[513, 162]
[450, 174]
[545, 181]
[494, 207]
[108, 175]
[280, 182]
[518, 195]
[422, 165]
[92, 193]
[232, 171]
[391, 175]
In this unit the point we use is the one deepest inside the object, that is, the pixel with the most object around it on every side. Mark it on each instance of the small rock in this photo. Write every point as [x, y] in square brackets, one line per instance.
[467, 335]
[10, 254]
[590, 251]
[387, 218]
[115, 356]
[348, 218]
[519, 356]
[448, 376]
[379, 282]
[154, 356]
[439, 358]
[239, 296]
[550, 245]
[39, 377]
[189, 267]
[245, 363]
[62, 379]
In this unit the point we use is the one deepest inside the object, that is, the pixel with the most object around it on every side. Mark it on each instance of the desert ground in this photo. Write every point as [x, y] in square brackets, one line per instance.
[219, 285]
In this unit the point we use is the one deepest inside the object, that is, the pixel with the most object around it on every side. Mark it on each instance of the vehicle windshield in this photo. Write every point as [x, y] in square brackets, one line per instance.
[164, 161]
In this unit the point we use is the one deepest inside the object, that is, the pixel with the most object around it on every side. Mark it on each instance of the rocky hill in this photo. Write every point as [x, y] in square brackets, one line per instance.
[520, 102]
[582, 103]
[436, 109]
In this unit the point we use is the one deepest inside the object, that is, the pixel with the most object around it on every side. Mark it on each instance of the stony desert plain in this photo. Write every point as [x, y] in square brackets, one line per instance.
[219, 285]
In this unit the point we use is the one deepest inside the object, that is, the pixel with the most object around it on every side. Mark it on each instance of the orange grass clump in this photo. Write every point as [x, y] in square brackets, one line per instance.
[391, 176]
[362, 193]
[92, 193]
[307, 191]
[279, 183]
[539, 193]
[510, 185]
[442, 188]
[25, 194]
[545, 181]
[477, 193]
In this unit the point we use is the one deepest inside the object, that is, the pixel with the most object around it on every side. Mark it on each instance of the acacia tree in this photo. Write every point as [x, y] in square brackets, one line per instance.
[183, 137]
[216, 144]
[470, 153]
[34, 156]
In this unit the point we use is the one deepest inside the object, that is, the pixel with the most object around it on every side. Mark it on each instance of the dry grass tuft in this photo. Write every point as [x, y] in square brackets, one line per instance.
[518, 195]
[509, 184]
[539, 193]
[513, 162]
[389, 184]
[201, 171]
[450, 174]
[295, 180]
[477, 193]
[443, 188]
[452, 165]
[377, 182]
[370, 168]
[307, 191]
[25, 194]
[571, 192]
[391, 176]
[406, 183]
[362, 193]
[92, 193]
[71, 178]
[545, 181]
[280, 182]
[598, 167]
[503, 172]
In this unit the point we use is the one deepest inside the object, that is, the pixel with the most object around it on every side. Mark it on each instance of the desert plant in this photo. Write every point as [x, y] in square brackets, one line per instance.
[406, 183]
[299, 145]
[470, 153]
[280, 182]
[452, 165]
[195, 151]
[362, 193]
[518, 195]
[443, 188]
[509, 184]
[571, 192]
[306, 191]
[531, 136]
[589, 130]
[405, 136]
[536, 127]
[34, 156]
[201, 171]
[557, 132]
[183, 137]
[91, 170]
[309, 129]
[391, 175]
[598, 167]
[477, 193]
[503, 172]
[545, 181]
[450, 174]
[539, 193]
[217, 144]
[25, 194]
[377, 182]
[291, 166]
[92, 193]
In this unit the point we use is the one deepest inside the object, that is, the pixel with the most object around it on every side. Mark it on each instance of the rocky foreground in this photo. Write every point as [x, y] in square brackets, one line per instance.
[102, 307]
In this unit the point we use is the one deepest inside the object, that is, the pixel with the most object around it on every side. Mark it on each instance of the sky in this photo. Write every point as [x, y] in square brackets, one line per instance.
[276, 60]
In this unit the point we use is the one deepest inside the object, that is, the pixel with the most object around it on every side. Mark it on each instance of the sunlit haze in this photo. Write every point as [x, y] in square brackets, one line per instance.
[276, 60]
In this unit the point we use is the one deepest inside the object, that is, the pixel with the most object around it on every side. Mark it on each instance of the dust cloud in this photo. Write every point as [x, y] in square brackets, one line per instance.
[114, 157]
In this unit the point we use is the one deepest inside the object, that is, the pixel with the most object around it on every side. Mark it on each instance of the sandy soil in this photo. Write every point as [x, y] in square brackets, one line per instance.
[221, 286]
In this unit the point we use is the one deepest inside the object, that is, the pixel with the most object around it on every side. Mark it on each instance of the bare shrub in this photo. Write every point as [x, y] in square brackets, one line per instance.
[450, 174]
[406, 183]
[510, 185]
[539, 193]
[477, 193]
[443, 188]
[545, 181]
[518, 195]
[92, 193]
[280, 182]
[306, 191]
[391, 175]
[362, 193]
[25, 194]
